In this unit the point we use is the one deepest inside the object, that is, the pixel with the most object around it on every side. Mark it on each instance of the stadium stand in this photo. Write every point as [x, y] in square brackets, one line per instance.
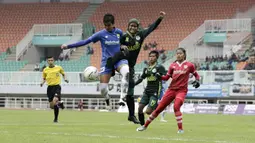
[183, 16]
[19, 18]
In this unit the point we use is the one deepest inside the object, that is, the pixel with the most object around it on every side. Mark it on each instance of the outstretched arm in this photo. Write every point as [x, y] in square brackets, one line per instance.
[168, 75]
[138, 81]
[94, 38]
[142, 77]
[154, 25]
[79, 44]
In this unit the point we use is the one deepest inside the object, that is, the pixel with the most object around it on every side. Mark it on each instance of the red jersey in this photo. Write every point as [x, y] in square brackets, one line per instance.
[179, 72]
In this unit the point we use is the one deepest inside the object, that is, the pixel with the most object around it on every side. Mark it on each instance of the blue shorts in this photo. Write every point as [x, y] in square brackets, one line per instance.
[105, 70]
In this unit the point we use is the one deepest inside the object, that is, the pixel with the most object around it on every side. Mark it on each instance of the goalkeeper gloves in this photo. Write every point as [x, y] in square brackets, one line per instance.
[196, 84]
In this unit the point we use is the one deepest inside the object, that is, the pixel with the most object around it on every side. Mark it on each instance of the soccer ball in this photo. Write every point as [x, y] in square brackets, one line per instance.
[91, 73]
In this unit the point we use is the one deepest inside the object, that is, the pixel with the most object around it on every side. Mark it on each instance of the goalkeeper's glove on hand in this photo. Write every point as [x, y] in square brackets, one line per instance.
[196, 84]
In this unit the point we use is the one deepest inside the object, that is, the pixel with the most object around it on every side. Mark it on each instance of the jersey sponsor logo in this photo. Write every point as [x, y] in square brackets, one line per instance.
[112, 42]
[151, 78]
[135, 47]
[180, 72]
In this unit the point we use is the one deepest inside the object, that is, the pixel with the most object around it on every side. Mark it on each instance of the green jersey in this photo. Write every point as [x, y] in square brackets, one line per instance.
[134, 42]
[154, 83]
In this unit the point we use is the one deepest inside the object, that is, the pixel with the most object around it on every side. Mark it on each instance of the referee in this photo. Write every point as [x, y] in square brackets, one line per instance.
[51, 75]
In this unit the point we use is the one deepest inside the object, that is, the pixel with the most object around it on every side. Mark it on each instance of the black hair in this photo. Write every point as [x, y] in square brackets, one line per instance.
[154, 52]
[184, 52]
[49, 57]
[108, 18]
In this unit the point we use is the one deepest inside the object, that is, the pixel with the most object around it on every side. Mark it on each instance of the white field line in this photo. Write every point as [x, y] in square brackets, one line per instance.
[2, 132]
[130, 137]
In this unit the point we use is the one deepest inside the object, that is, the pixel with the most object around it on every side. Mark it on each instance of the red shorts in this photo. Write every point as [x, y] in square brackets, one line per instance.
[172, 94]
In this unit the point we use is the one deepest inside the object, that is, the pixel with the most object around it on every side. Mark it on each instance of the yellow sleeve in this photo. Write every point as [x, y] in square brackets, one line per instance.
[62, 70]
[44, 74]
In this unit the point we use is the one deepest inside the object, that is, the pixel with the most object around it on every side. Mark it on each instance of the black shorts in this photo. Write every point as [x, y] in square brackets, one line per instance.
[52, 90]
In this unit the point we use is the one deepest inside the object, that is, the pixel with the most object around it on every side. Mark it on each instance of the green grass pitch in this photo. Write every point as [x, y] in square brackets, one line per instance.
[31, 126]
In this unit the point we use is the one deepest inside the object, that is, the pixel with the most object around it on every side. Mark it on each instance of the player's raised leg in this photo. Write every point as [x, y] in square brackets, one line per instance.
[167, 99]
[123, 68]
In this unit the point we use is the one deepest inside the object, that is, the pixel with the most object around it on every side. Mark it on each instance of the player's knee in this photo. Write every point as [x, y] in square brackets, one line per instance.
[52, 105]
[124, 71]
[55, 101]
[57, 97]
[148, 111]
[177, 105]
[104, 90]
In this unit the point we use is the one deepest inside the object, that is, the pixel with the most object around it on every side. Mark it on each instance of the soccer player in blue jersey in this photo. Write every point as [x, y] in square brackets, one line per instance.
[110, 44]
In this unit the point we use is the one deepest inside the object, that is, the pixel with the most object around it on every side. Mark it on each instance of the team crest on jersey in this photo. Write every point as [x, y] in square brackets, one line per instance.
[185, 66]
[127, 39]
[154, 70]
[138, 38]
[118, 35]
[106, 36]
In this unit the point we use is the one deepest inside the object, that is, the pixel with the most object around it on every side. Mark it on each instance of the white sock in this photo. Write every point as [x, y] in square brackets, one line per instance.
[123, 71]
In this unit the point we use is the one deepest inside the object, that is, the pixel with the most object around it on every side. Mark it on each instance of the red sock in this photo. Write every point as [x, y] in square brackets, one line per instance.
[149, 120]
[178, 116]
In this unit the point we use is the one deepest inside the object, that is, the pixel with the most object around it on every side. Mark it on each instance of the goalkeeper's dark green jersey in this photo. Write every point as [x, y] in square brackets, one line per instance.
[134, 43]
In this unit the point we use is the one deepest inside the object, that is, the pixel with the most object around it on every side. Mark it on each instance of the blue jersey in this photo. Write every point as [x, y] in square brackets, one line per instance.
[110, 43]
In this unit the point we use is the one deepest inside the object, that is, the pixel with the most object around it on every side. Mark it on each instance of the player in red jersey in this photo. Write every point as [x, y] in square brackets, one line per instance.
[179, 71]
